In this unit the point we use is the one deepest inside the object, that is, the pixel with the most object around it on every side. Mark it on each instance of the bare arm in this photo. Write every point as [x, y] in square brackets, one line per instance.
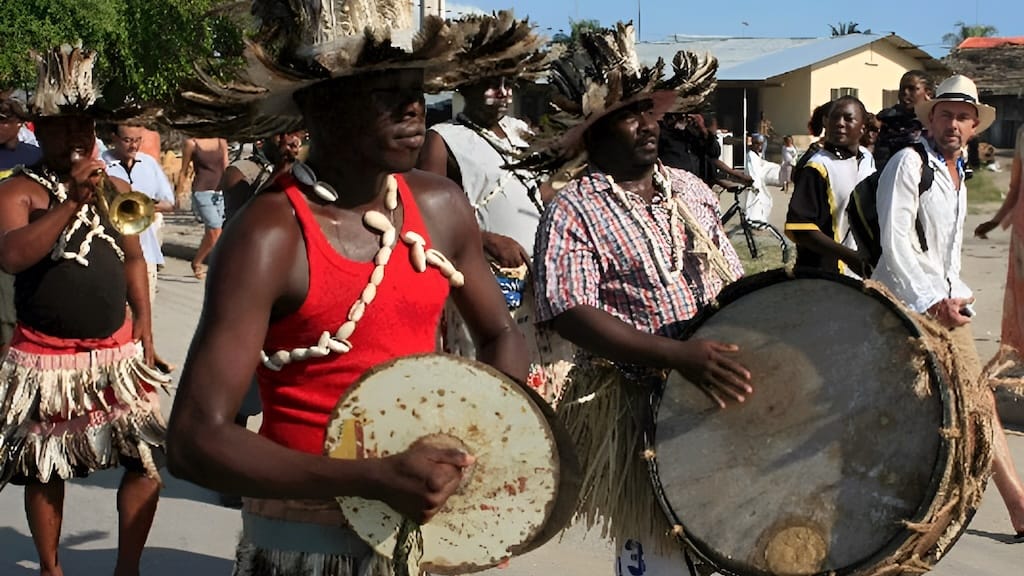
[138, 295]
[253, 273]
[816, 241]
[452, 225]
[704, 362]
[137, 277]
[738, 175]
[236, 189]
[186, 163]
[1009, 202]
[23, 243]
[224, 161]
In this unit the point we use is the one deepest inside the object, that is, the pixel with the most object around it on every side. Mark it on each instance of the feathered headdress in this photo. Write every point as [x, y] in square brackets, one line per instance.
[601, 74]
[491, 46]
[300, 43]
[64, 84]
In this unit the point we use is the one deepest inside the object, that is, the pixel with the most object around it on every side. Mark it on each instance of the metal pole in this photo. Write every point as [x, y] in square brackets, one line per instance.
[745, 167]
[638, 36]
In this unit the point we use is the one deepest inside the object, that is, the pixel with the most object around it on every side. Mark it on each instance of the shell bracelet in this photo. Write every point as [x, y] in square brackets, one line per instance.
[420, 258]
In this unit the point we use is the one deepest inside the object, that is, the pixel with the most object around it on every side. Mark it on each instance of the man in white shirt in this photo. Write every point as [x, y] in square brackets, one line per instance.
[759, 199]
[925, 274]
[144, 174]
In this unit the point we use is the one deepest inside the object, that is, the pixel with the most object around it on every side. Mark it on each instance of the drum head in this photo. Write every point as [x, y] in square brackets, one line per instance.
[837, 447]
[521, 491]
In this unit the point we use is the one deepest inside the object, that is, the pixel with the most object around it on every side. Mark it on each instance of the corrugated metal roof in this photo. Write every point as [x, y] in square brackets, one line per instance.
[990, 42]
[758, 59]
[729, 51]
[795, 58]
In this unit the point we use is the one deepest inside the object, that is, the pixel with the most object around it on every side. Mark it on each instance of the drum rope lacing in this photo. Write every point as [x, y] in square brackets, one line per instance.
[86, 215]
[420, 257]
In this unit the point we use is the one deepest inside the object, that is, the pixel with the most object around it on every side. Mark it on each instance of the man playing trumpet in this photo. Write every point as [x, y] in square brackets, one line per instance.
[77, 389]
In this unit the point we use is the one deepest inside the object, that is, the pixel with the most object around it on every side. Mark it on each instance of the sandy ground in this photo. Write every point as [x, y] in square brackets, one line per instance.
[192, 535]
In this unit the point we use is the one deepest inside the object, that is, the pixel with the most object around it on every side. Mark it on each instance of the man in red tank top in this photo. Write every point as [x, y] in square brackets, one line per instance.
[281, 286]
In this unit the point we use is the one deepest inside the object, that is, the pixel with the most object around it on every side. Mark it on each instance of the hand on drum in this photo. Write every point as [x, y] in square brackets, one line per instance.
[951, 312]
[707, 364]
[418, 482]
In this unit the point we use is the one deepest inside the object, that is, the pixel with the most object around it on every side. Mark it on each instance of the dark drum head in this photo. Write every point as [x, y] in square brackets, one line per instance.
[839, 445]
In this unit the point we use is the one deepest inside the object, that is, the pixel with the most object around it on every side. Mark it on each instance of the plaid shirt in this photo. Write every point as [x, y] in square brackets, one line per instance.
[591, 252]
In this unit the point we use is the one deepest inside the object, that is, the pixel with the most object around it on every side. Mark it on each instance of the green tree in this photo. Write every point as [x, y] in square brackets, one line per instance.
[145, 47]
[577, 28]
[845, 28]
[964, 31]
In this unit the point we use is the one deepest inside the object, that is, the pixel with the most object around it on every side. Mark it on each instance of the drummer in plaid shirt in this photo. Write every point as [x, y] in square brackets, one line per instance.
[626, 253]
[597, 255]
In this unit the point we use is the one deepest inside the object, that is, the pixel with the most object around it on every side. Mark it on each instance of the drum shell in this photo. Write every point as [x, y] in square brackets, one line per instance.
[798, 522]
[467, 388]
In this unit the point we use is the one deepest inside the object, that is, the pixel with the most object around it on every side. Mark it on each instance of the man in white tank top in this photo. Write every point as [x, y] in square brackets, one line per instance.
[473, 150]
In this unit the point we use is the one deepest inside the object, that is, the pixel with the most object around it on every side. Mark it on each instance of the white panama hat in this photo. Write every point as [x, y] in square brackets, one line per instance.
[957, 88]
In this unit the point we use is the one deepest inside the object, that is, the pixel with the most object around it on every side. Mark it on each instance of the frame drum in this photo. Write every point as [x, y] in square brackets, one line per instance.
[840, 446]
[520, 492]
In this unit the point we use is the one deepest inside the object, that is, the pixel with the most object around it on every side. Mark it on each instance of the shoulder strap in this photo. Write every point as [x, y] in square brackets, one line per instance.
[927, 179]
[927, 172]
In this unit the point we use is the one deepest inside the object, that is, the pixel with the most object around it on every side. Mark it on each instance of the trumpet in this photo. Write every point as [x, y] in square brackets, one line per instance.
[129, 213]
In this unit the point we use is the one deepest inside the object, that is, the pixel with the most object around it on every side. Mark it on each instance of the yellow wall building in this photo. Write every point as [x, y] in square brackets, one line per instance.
[777, 82]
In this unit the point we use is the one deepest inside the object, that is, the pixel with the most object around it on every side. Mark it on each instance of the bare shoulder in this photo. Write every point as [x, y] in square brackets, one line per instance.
[21, 190]
[264, 221]
[439, 198]
[446, 210]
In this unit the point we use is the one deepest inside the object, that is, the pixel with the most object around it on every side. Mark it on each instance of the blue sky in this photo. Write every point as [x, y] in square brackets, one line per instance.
[920, 21]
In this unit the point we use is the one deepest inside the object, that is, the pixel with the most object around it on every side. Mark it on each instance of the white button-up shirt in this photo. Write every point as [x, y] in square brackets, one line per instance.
[921, 278]
[148, 177]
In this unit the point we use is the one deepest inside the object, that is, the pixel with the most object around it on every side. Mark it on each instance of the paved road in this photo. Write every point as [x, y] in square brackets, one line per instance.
[192, 535]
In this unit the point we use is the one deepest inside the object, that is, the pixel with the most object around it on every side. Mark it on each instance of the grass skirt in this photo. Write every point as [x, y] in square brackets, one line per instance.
[71, 407]
[607, 415]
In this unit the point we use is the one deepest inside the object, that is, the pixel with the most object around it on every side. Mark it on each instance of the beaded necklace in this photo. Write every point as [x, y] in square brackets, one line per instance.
[668, 271]
[420, 258]
[86, 216]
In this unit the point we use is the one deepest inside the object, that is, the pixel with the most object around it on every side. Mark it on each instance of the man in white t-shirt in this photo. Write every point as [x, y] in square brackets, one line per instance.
[144, 174]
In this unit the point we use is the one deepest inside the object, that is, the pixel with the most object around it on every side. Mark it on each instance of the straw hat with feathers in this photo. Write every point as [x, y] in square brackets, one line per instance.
[302, 42]
[601, 74]
[65, 86]
[64, 83]
[492, 46]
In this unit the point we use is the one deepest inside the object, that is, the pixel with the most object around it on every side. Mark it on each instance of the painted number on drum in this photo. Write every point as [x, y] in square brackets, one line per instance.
[631, 560]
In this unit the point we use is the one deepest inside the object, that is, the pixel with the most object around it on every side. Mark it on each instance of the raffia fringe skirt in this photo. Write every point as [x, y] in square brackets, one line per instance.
[71, 407]
[607, 416]
[302, 538]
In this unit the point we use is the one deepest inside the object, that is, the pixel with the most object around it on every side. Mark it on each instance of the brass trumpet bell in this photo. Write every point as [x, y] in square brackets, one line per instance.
[129, 213]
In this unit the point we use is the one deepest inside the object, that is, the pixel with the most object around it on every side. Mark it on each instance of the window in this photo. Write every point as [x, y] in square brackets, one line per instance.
[840, 92]
[890, 98]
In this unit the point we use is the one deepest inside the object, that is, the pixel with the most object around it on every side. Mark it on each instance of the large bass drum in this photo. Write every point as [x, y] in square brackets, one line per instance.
[520, 492]
[858, 452]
